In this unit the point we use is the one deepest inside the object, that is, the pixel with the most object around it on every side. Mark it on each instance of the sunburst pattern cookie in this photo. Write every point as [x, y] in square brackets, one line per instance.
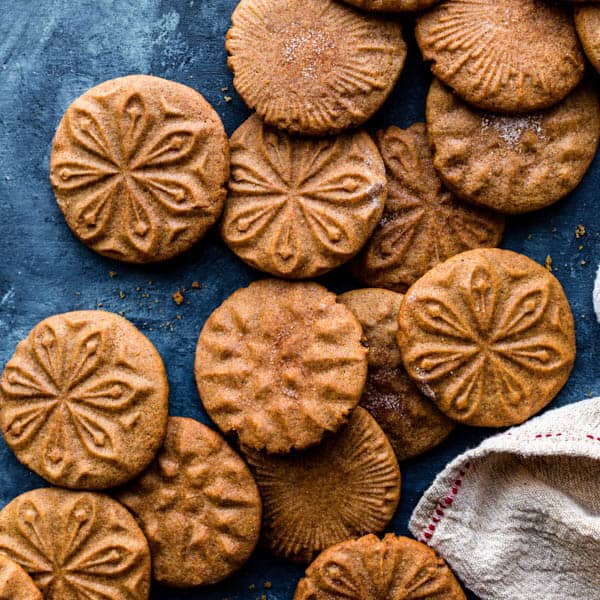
[392, 5]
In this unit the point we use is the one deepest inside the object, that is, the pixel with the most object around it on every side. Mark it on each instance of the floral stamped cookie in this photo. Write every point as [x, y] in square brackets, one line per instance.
[587, 22]
[423, 224]
[279, 364]
[198, 506]
[488, 336]
[298, 207]
[84, 400]
[76, 545]
[15, 583]
[503, 55]
[513, 164]
[345, 487]
[139, 167]
[392, 5]
[313, 66]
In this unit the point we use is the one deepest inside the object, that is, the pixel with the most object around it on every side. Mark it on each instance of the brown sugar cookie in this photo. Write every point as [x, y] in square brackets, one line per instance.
[84, 400]
[298, 207]
[513, 164]
[587, 22]
[392, 5]
[346, 487]
[279, 364]
[503, 55]
[139, 166]
[76, 545]
[394, 568]
[423, 224]
[15, 584]
[313, 66]
[198, 506]
[411, 421]
[488, 336]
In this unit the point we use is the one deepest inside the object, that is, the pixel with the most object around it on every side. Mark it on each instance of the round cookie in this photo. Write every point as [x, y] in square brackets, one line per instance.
[313, 66]
[198, 506]
[15, 584]
[587, 22]
[503, 55]
[513, 164]
[423, 224]
[298, 207]
[412, 423]
[395, 568]
[279, 364]
[346, 487]
[392, 5]
[84, 400]
[76, 545]
[488, 336]
[139, 168]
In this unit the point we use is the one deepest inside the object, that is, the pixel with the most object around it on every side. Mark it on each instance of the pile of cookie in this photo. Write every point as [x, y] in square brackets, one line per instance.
[323, 395]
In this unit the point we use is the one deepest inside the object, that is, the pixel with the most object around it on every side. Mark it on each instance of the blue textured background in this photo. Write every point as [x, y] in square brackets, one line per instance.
[50, 53]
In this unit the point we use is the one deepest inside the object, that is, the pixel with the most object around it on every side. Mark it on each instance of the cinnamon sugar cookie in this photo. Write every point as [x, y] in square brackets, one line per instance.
[423, 224]
[15, 584]
[587, 22]
[503, 55]
[313, 66]
[488, 336]
[279, 364]
[513, 164]
[411, 421]
[298, 207]
[198, 506]
[346, 487]
[392, 5]
[395, 568]
[139, 166]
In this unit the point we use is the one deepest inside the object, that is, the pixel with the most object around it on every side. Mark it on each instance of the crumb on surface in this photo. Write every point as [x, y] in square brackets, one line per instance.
[227, 99]
[583, 263]
[195, 285]
[580, 231]
[268, 585]
[178, 298]
[112, 274]
[225, 88]
[548, 263]
[580, 247]
[122, 294]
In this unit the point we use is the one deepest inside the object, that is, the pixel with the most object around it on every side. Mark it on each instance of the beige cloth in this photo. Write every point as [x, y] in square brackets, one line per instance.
[519, 516]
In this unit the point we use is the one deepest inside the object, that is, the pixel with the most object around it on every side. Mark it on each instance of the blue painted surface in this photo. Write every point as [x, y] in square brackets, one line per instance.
[51, 52]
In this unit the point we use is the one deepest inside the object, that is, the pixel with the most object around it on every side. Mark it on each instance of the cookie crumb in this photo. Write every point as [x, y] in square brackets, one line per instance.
[195, 285]
[251, 587]
[112, 274]
[580, 231]
[268, 585]
[178, 298]
[583, 263]
[580, 248]
[227, 99]
[225, 88]
[122, 294]
[549, 263]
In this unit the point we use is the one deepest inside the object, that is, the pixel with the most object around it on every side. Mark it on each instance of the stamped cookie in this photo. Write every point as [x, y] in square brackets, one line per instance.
[503, 55]
[298, 207]
[139, 166]
[346, 487]
[587, 22]
[394, 568]
[488, 336]
[423, 224]
[84, 400]
[392, 5]
[198, 506]
[76, 545]
[279, 364]
[313, 66]
[15, 584]
[411, 421]
[513, 164]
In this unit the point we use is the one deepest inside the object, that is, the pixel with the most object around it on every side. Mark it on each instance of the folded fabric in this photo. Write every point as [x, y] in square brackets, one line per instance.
[519, 516]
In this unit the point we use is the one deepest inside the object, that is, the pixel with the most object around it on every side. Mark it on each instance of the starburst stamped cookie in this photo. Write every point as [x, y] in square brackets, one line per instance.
[503, 55]
[15, 583]
[587, 22]
[84, 400]
[346, 487]
[423, 223]
[298, 207]
[394, 568]
[198, 506]
[76, 545]
[279, 364]
[313, 66]
[513, 163]
[488, 336]
[392, 5]
[139, 168]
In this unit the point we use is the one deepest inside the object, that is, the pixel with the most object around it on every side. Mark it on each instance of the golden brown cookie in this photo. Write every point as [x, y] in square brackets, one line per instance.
[76, 545]
[488, 336]
[411, 421]
[298, 207]
[15, 583]
[503, 55]
[198, 506]
[513, 164]
[395, 568]
[279, 364]
[346, 487]
[392, 5]
[423, 224]
[84, 400]
[139, 166]
[313, 66]
[587, 22]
